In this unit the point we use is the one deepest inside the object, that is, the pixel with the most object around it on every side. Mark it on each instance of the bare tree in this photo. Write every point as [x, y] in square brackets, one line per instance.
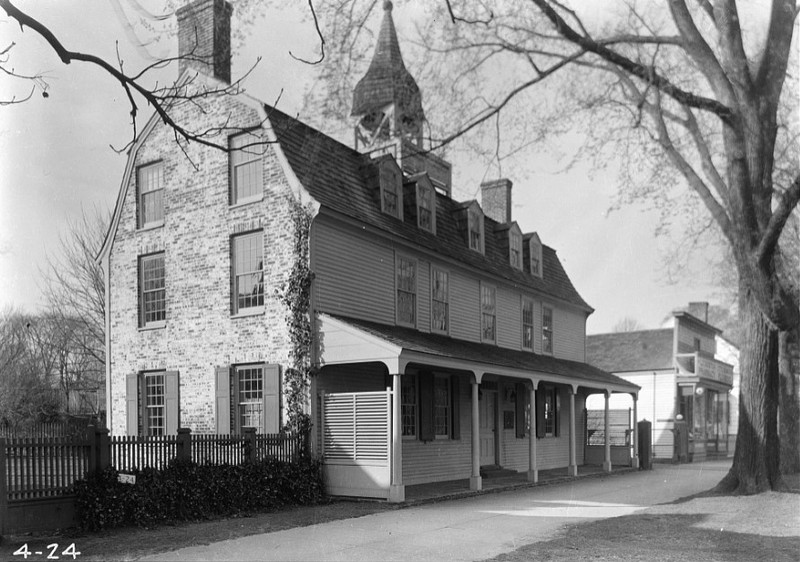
[627, 324]
[676, 88]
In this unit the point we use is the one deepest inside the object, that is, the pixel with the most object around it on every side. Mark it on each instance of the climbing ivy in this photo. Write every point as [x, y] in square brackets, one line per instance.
[296, 296]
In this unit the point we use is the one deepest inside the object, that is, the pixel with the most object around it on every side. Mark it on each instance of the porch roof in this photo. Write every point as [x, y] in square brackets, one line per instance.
[354, 340]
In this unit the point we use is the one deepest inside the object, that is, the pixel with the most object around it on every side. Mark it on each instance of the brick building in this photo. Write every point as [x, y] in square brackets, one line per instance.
[447, 343]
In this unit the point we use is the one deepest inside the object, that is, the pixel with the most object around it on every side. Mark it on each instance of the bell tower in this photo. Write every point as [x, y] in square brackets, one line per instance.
[387, 103]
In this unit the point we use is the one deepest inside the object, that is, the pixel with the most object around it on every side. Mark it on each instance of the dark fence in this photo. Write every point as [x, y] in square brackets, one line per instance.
[68, 427]
[42, 468]
[619, 427]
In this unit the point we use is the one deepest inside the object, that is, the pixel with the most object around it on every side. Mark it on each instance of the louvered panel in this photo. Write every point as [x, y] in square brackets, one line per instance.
[356, 427]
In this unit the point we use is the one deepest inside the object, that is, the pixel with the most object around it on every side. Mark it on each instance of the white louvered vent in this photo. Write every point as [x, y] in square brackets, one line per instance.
[356, 426]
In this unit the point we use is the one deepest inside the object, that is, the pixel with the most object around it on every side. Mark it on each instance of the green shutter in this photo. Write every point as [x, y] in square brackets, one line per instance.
[172, 402]
[520, 413]
[272, 398]
[222, 400]
[455, 401]
[540, 397]
[426, 399]
[132, 404]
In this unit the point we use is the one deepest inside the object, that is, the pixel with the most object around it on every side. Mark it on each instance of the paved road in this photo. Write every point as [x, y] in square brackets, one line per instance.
[468, 529]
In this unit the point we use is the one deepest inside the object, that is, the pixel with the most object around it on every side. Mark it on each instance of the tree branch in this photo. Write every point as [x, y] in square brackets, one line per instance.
[787, 201]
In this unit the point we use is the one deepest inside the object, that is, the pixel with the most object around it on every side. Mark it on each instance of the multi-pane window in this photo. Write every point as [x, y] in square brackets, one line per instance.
[250, 397]
[547, 329]
[248, 271]
[152, 292]
[441, 406]
[515, 249]
[475, 227]
[406, 291]
[440, 299]
[246, 168]
[425, 207]
[488, 313]
[536, 256]
[550, 411]
[408, 405]
[154, 404]
[390, 190]
[150, 184]
[527, 324]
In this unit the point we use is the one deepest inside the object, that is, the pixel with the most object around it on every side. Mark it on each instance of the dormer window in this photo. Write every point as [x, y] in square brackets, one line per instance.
[426, 208]
[391, 185]
[475, 228]
[535, 248]
[515, 248]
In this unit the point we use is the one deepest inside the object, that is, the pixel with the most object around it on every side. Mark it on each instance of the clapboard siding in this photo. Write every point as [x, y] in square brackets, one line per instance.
[509, 319]
[352, 276]
[686, 336]
[569, 334]
[464, 307]
[656, 404]
[424, 296]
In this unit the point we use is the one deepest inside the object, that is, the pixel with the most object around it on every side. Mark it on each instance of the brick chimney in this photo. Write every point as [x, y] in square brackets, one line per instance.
[496, 200]
[699, 310]
[204, 38]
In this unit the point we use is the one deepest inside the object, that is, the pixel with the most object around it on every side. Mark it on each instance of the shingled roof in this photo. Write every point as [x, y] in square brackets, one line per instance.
[335, 175]
[642, 350]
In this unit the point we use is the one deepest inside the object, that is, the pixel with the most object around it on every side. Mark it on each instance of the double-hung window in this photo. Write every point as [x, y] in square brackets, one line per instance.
[549, 416]
[440, 301]
[391, 185]
[430, 405]
[406, 291]
[547, 329]
[408, 405]
[246, 174]
[527, 324]
[426, 211]
[150, 188]
[248, 272]
[441, 406]
[488, 313]
[475, 228]
[152, 291]
[152, 403]
[248, 396]
[515, 249]
[249, 381]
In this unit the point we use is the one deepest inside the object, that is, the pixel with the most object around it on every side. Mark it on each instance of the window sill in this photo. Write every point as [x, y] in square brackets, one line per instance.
[247, 313]
[245, 202]
[153, 326]
[147, 227]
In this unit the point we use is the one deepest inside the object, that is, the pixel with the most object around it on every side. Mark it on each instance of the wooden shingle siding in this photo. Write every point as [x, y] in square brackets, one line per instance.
[353, 276]
[464, 307]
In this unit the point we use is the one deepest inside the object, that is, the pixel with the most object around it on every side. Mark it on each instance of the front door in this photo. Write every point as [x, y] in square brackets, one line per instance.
[488, 421]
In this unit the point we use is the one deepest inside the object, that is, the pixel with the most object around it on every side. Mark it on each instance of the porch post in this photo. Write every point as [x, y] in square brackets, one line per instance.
[635, 459]
[397, 491]
[607, 441]
[475, 479]
[573, 465]
[533, 471]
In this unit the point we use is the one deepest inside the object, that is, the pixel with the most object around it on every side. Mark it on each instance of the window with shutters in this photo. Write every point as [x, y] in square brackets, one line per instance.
[550, 411]
[547, 329]
[247, 261]
[152, 403]
[152, 291]
[248, 396]
[249, 392]
[488, 313]
[408, 405]
[437, 406]
[246, 173]
[150, 199]
[441, 406]
[406, 291]
[527, 324]
[440, 301]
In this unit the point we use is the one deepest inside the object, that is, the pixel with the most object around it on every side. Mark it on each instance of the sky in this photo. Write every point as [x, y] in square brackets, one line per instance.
[56, 162]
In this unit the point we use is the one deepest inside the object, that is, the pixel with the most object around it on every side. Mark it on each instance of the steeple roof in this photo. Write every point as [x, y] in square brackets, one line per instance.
[387, 80]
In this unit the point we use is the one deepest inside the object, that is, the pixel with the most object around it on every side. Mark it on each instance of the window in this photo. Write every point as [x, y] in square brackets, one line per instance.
[246, 175]
[697, 344]
[150, 183]
[488, 313]
[152, 404]
[426, 209]
[249, 382]
[527, 323]
[547, 329]
[152, 292]
[248, 271]
[440, 290]
[536, 255]
[406, 291]
[391, 194]
[550, 412]
[248, 396]
[441, 406]
[408, 405]
[475, 228]
[515, 249]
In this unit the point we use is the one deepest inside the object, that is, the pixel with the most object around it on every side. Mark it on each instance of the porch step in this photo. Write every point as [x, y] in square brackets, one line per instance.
[495, 471]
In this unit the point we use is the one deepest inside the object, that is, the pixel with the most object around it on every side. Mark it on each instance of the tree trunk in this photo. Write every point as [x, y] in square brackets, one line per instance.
[756, 466]
[789, 405]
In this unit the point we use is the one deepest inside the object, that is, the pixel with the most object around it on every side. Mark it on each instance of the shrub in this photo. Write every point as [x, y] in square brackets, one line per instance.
[187, 491]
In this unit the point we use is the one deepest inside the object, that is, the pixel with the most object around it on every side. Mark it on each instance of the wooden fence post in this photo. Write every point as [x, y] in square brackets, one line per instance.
[184, 443]
[249, 444]
[103, 445]
[91, 432]
[3, 488]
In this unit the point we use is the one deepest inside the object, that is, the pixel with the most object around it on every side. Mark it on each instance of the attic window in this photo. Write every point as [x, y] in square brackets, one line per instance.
[475, 228]
[515, 249]
[426, 210]
[536, 256]
[391, 189]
